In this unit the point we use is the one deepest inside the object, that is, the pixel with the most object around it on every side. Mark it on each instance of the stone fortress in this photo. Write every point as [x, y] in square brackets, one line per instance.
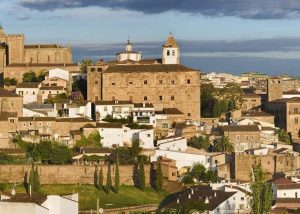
[171, 87]
[17, 58]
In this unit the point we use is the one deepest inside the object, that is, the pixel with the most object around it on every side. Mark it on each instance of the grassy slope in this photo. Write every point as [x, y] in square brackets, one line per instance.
[88, 194]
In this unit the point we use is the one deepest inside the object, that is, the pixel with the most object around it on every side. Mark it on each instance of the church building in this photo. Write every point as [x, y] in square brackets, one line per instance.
[167, 84]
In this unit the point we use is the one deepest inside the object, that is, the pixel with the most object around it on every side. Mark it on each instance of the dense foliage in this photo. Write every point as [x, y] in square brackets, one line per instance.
[199, 173]
[93, 140]
[159, 178]
[47, 152]
[108, 184]
[32, 77]
[261, 200]
[10, 81]
[215, 101]
[283, 136]
[199, 142]
[84, 64]
[117, 176]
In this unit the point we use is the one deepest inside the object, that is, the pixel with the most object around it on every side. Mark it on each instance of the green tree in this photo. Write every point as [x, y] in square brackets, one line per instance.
[283, 136]
[159, 177]
[96, 179]
[135, 174]
[207, 99]
[108, 179]
[29, 77]
[60, 154]
[223, 144]
[199, 142]
[36, 178]
[10, 81]
[142, 181]
[135, 148]
[117, 175]
[100, 184]
[93, 140]
[217, 109]
[233, 91]
[84, 64]
[261, 200]
[45, 148]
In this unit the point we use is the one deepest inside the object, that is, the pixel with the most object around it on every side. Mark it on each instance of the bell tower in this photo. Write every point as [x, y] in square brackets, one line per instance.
[170, 51]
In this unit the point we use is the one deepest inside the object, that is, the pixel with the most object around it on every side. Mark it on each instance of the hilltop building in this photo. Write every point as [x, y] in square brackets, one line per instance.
[17, 58]
[163, 82]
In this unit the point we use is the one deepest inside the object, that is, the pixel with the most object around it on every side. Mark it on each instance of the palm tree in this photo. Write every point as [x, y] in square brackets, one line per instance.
[283, 135]
[84, 64]
[223, 144]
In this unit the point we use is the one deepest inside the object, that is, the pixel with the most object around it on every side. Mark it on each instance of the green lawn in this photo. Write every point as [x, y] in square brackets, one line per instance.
[88, 194]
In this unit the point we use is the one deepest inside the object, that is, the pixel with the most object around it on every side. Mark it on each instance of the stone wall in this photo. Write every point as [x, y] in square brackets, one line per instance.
[67, 174]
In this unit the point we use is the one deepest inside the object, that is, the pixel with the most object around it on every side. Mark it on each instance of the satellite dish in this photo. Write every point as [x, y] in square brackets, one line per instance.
[101, 210]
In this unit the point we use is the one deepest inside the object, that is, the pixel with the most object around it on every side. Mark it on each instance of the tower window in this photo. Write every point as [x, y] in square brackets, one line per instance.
[160, 98]
[145, 98]
[168, 53]
[145, 82]
[130, 83]
[48, 58]
[173, 52]
[173, 82]
[188, 81]
[160, 82]
[96, 82]
[172, 98]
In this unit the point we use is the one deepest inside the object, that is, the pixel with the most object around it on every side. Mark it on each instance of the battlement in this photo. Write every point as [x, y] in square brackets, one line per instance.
[14, 35]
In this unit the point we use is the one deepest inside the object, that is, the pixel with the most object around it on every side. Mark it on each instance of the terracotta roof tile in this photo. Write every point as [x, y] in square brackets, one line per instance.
[6, 93]
[109, 125]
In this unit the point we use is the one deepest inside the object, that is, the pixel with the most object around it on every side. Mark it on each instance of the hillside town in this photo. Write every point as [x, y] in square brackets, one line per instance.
[76, 137]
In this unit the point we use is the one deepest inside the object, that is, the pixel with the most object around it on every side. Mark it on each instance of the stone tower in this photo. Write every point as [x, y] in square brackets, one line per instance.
[170, 51]
[274, 89]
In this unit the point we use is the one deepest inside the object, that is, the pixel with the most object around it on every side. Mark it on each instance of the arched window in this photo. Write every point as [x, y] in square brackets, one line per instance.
[168, 53]
[93, 69]
[99, 69]
[173, 52]
[188, 81]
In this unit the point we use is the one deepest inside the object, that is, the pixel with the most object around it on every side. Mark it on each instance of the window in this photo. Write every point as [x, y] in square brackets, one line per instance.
[168, 53]
[11, 120]
[188, 81]
[238, 138]
[247, 137]
[48, 58]
[160, 98]
[33, 93]
[189, 114]
[145, 82]
[113, 83]
[172, 98]
[148, 135]
[96, 82]
[145, 98]
[296, 110]
[173, 82]
[296, 120]
[173, 52]
[99, 69]
[130, 83]
[242, 198]
[93, 69]
[160, 82]
[165, 125]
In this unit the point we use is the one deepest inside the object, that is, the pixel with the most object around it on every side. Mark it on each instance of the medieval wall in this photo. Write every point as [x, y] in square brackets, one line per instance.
[48, 55]
[67, 174]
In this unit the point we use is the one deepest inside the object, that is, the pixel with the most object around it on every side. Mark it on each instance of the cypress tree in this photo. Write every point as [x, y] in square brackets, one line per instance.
[96, 177]
[117, 175]
[31, 177]
[159, 177]
[108, 179]
[142, 175]
[100, 185]
[135, 174]
[36, 180]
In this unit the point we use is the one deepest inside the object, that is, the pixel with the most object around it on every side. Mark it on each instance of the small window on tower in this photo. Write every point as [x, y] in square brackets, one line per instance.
[160, 82]
[145, 82]
[160, 98]
[145, 98]
[172, 98]
[188, 81]
[173, 52]
[168, 53]
[96, 82]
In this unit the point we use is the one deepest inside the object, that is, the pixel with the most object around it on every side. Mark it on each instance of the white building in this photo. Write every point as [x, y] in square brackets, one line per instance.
[172, 144]
[29, 91]
[115, 134]
[59, 73]
[39, 204]
[144, 114]
[47, 91]
[79, 109]
[129, 54]
[116, 109]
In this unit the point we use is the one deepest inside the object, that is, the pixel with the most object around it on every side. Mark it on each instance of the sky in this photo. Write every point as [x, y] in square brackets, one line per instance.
[232, 36]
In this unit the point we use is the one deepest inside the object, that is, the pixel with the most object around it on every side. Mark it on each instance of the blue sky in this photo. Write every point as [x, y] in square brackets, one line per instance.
[215, 35]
